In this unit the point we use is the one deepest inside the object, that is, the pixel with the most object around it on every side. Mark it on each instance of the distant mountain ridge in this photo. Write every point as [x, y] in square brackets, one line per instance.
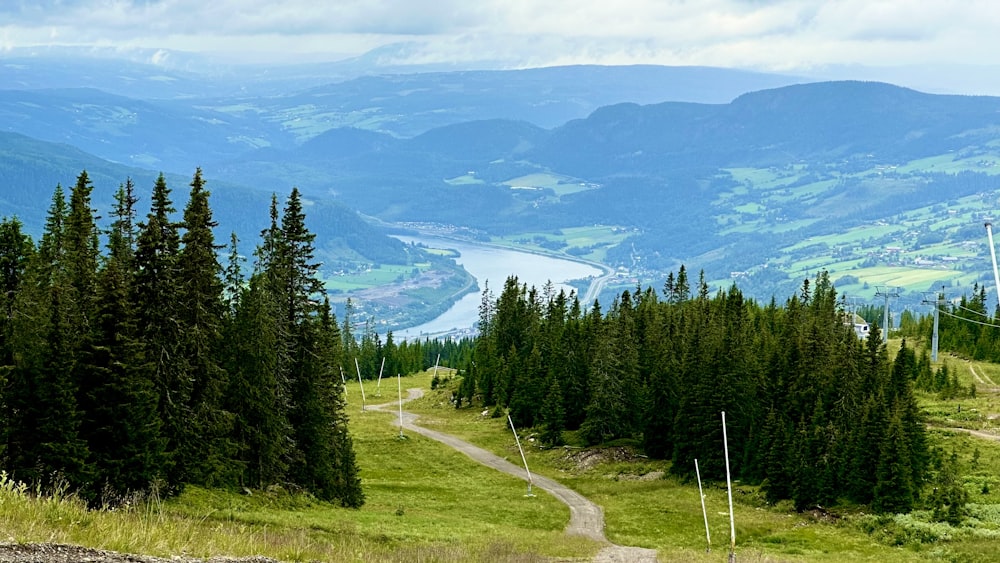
[478, 149]
[30, 169]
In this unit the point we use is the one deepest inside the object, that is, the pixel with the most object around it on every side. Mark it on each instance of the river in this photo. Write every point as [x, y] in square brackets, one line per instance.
[493, 265]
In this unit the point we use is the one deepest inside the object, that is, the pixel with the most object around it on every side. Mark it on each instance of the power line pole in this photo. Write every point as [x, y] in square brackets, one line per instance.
[936, 301]
[887, 292]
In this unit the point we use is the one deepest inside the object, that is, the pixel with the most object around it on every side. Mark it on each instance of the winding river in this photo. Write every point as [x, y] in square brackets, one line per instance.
[493, 265]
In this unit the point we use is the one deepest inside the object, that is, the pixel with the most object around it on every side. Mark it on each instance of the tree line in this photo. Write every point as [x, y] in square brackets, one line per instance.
[132, 358]
[815, 414]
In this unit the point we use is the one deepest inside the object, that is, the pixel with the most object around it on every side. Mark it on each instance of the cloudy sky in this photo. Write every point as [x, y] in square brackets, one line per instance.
[781, 35]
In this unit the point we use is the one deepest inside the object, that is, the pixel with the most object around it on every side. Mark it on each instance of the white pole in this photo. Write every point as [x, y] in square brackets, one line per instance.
[436, 362]
[993, 255]
[708, 536]
[378, 387]
[344, 381]
[729, 489]
[399, 388]
[524, 459]
[361, 385]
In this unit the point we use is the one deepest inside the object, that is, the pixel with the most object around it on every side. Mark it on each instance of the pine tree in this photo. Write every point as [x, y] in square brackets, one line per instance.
[29, 348]
[323, 456]
[16, 250]
[204, 449]
[894, 486]
[608, 415]
[262, 433]
[552, 415]
[122, 422]
[156, 298]
[329, 468]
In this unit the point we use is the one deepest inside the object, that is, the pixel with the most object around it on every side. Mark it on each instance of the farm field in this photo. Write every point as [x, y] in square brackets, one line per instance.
[585, 242]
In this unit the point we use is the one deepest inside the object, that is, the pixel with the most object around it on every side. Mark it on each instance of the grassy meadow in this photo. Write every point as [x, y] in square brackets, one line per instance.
[646, 506]
[587, 243]
[426, 502]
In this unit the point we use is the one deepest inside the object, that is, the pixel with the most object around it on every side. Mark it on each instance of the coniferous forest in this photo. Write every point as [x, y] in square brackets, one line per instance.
[133, 359]
[815, 414]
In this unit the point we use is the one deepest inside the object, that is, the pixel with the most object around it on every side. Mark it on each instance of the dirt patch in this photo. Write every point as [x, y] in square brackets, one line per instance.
[585, 460]
[651, 476]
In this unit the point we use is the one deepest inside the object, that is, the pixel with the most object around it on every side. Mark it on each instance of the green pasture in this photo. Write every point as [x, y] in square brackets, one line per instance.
[465, 180]
[595, 234]
[596, 237]
[764, 178]
[381, 275]
[750, 208]
[561, 185]
[760, 225]
[900, 276]
[952, 164]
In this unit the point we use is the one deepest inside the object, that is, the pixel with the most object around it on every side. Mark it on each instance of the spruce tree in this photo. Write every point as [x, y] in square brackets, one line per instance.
[894, 490]
[262, 433]
[16, 249]
[552, 415]
[29, 347]
[157, 303]
[122, 422]
[205, 450]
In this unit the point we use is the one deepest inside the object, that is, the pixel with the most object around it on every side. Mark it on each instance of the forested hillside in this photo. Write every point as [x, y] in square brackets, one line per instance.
[760, 186]
[816, 415]
[148, 364]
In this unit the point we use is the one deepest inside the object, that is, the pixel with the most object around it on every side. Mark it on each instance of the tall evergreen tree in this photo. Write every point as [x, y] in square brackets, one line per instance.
[157, 301]
[262, 433]
[552, 415]
[204, 450]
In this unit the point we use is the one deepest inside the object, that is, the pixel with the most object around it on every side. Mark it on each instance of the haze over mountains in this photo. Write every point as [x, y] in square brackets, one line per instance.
[730, 171]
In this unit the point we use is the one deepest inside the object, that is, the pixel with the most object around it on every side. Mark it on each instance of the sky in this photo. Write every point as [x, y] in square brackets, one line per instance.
[769, 35]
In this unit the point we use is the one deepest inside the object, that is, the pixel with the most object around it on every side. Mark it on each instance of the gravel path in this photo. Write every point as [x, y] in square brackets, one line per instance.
[61, 553]
[586, 518]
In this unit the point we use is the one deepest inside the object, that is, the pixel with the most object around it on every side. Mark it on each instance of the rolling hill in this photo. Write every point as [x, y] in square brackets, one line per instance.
[763, 186]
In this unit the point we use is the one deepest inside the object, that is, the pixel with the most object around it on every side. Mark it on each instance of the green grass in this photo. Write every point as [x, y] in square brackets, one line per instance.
[561, 185]
[425, 502]
[948, 163]
[597, 238]
[664, 512]
[380, 275]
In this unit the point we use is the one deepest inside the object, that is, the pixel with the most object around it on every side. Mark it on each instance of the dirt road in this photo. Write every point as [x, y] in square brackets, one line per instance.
[586, 518]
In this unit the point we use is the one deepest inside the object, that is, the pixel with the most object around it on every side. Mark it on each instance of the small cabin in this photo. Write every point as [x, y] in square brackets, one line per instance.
[861, 328]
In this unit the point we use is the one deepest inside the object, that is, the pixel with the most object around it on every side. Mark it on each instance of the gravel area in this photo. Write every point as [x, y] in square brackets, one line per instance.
[61, 553]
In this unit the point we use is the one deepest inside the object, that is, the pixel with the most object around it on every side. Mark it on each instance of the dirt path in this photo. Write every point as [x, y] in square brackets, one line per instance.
[981, 379]
[975, 375]
[976, 433]
[586, 518]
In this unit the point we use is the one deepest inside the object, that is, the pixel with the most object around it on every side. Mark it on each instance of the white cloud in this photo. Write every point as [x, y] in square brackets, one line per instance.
[775, 34]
